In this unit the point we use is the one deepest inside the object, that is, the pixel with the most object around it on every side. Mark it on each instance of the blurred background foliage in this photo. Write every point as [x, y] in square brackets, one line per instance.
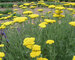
[33, 0]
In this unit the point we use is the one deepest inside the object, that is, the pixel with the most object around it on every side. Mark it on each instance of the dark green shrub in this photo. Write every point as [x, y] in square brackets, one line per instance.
[5, 5]
[6, 11]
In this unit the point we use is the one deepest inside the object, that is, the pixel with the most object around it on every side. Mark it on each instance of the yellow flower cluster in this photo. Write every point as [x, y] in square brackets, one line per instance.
[20, 19]
[2, 54]
[72, 23]
[1, 14]
[36, 51]
[70, 9]
[46, 21]
[58, 12]
[29, 42]
[32, 7]
[15, 9]
[6, 17]
[40, 10]
[49, 20]
[2, 27]
[49, 41]
[14, 5]
[59, 8]
[27, 12]
[51, 6]
[1, 45]
[42, 58]
[33, 16]
[26, 4]
[73, 58]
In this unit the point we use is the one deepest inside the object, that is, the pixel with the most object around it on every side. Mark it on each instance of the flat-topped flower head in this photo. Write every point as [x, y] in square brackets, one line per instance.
[2, 27]
[70, 9]
[32, 7]
[40, 10]
[72, 23]
[43, 24]
[1, 45]
[49, 41]
[51, 6]
[20, 19]
[26, 4]
[36, 51]
[33, 16]
[60, 8]
[8, 23]
[2, 54]
[27, 12]
[29, 42]
[49, 20]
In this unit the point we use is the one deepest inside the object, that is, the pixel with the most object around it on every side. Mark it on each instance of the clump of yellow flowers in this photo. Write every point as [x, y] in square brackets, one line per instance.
[51, 6]
[2, 54]
[33, 16]
[20, 19]
[36, 51]
[29, 42]
[46, 21]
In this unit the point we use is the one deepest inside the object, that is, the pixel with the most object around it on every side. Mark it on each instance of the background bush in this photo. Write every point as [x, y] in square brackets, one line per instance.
[5, 5]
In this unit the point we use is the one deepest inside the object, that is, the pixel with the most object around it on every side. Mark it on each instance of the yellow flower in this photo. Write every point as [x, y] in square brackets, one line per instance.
[43, 24]
[36, 48]
[70, 9]
[2, 54]
[24, 7]
[72, 23]
[60, 8]
[49, 12]
[26, 4]
[9, 13]
[21, 6]
[36, 51]
[14, 5]
[1, 45]
[15, 9]
[20, 19]
[34, 54]
[73, 58]
[49, 21]
[58, 11]
[2, 27]
[33, 16]
[51, 6]
[27, 12]
[29, 42]
[42, 16]
[42, 58]
[32, 7]
[1, 14]
[40, 10]
[0, 58]
[49, 41]
[8, 23]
